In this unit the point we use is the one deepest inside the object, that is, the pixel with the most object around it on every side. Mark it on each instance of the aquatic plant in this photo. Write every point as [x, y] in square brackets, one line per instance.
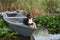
[52, 23]
[5, 31]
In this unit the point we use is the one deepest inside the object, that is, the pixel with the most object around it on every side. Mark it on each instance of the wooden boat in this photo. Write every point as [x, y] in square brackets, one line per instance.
[15, 22]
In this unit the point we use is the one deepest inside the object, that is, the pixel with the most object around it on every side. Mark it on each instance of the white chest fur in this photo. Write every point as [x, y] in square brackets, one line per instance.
[30, 21]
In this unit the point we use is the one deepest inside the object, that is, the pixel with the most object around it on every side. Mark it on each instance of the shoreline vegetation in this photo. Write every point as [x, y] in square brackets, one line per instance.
[31, 6]
[51, 23]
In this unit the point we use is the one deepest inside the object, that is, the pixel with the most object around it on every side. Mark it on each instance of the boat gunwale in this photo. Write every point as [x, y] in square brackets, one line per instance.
[19, 24]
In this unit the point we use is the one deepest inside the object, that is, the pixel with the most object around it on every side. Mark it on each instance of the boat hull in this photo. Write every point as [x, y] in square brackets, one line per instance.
[24, 31]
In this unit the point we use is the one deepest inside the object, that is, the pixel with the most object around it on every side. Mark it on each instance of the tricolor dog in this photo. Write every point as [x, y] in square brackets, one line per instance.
[29, 20]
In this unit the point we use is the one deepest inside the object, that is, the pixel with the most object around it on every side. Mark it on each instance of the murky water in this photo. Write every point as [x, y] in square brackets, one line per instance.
[43, 35]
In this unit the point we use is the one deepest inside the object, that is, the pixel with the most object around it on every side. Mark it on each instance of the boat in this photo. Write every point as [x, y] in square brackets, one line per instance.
[15, 22]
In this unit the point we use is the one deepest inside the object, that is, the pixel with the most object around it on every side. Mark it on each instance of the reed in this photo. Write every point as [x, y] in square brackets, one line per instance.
[35, 7]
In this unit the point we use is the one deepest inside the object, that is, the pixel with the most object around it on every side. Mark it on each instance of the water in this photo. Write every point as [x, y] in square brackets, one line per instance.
[44, 35]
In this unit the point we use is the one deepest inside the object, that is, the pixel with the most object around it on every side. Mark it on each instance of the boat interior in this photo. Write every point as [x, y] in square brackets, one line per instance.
[14, 17]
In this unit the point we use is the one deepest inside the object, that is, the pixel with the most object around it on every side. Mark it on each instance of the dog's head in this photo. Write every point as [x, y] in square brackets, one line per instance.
[29, 16]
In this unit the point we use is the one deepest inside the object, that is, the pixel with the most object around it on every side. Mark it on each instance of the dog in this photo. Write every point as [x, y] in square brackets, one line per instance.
[29, 20]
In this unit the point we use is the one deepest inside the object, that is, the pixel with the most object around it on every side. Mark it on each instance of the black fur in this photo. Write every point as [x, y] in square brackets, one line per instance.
[26, 20]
